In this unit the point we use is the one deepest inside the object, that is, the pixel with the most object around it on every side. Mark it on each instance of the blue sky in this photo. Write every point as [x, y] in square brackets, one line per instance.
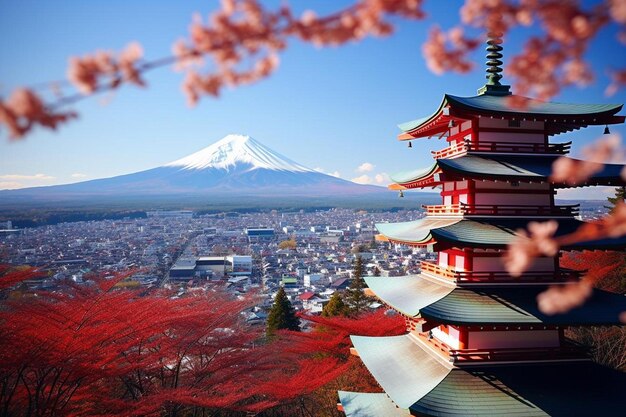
[334, 108]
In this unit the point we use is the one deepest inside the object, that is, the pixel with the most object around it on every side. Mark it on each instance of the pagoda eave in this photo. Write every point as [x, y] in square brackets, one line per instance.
[559, 117]
[417, 232]
[488, 233]
[416, 296]
[359, 404]
[503, 168]
[414, 379]
[524, 107]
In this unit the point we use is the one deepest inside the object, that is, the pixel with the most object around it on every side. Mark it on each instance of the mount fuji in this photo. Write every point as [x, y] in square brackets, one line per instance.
[236, 166]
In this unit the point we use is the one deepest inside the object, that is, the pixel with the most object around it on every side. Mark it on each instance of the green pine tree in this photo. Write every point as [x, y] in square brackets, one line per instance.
[373, 243]
[620, 197]
[335, 306]
[355, 298]
[282, 315]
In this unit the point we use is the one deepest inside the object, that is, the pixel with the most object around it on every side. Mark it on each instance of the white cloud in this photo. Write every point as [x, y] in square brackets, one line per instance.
[10, 185]
[78, 175]
[589, 193]
[363, 179]
[36, 177]
[382, 178]
[365, 167]
[15, 181]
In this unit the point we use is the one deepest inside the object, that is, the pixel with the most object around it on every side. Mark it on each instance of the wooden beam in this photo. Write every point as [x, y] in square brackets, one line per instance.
[425, 326]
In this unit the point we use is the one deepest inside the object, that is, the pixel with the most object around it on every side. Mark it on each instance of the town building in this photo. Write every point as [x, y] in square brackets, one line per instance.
[260, 234]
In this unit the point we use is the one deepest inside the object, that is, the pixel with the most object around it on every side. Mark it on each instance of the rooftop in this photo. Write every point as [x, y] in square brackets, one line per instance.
[414, 380]
[418, 296]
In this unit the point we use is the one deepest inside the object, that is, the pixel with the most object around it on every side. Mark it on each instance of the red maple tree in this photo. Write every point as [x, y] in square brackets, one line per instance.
[97, 349]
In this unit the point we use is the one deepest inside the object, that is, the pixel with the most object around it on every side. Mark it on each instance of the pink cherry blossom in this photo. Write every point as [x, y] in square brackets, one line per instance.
[563, 298]
[24, 110]
[527, 245]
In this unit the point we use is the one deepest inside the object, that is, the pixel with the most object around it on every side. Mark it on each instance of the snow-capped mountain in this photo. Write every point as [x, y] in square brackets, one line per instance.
[234, 150]
[236, 166]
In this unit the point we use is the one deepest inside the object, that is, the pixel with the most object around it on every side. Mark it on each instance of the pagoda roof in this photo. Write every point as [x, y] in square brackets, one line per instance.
[414, 379]
[565, 116]
[494, 232]
[417, 296]
[501, 167]
[360, 404]
[414, 232]
[408, 294]
[406, 372]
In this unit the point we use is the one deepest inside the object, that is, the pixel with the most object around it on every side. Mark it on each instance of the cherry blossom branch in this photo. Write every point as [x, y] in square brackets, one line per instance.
[539, 240]
[240, 31]
[243, 31]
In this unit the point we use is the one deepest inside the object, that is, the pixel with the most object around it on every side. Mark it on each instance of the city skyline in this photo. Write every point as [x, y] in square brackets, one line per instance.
[333, 109]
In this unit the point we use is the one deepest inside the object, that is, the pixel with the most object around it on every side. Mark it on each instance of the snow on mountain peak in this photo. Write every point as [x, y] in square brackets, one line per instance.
[238, 149]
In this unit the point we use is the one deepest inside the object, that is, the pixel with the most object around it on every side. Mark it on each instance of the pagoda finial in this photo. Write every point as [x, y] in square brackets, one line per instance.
[494, 69]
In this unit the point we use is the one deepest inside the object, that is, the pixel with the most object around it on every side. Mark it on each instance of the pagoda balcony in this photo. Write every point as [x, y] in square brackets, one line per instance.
[463, 209]
[443, 210]
[569, 350]
[502, 147]
[498, 277]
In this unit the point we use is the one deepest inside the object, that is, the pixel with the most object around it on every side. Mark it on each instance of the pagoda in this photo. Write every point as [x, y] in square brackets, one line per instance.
[476, 342]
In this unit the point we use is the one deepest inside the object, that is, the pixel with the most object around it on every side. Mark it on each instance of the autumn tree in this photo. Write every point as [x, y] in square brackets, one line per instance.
[355, 297]
[282, 315]
[324, 351]
[335, 306]
[94, 348]
[288, 244]
[608, 271]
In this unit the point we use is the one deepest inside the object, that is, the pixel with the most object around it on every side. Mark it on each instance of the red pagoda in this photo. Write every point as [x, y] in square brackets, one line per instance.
[476, 342]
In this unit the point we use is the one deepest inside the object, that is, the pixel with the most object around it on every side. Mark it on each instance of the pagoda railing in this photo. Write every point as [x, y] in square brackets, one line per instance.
[505, 147]
[450, 151]
[519, 210]
[443, 210]
[502, 147]
[568, 350]
[565, 351]
[500, 210]
[561, 275]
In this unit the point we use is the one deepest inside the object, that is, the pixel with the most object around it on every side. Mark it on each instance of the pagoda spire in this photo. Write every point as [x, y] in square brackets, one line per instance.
[494, 69]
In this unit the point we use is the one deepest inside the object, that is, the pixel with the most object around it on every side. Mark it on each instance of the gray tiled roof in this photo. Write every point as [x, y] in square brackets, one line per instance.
[360, 404]
[414, 379]
[415, 295]
[505, 167]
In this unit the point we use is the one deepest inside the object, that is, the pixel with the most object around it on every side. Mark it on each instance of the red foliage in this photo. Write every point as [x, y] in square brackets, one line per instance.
[99, 350]
[329, 342]
[607, 270]
[10, 277]
[96, 349]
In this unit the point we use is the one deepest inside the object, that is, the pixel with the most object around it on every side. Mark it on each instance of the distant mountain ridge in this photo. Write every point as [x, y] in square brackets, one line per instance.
[236, 165]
